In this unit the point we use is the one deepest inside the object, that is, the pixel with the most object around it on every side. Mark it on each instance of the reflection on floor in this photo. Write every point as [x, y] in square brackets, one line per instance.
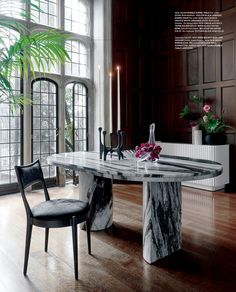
[207, 261]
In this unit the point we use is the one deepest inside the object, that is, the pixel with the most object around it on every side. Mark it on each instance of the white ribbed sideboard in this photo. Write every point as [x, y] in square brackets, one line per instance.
[218, 153]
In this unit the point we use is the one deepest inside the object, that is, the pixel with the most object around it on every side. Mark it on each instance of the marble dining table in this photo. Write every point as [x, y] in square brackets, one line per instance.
[162, 198]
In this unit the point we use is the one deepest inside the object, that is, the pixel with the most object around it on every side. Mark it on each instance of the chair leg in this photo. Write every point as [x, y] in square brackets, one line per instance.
[75, 245]
[88, 235]
[46, 239]
[27, 246]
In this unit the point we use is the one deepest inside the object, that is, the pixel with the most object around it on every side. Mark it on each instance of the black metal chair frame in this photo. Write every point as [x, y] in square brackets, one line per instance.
[35, 175]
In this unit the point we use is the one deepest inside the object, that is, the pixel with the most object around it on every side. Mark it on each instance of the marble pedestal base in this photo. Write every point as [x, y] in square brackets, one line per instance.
[161, 219]
[161, 212]
[98, 192]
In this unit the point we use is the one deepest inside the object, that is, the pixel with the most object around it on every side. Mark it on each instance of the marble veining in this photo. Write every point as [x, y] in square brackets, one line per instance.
[161, 219]
[168, 168]
[161, 193]
[98, 192]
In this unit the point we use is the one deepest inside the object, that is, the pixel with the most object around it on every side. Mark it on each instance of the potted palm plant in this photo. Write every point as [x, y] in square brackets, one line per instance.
[25, 52]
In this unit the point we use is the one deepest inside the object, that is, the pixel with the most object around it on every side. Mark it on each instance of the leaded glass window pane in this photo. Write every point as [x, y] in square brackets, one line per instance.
[12, 8]
[10, 121]
[77, 16]
[48, 14]
[79, 59]
[44, 130]
[76, 117]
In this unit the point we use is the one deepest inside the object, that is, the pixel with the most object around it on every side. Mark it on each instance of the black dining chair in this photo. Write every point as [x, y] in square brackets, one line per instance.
[51, 213]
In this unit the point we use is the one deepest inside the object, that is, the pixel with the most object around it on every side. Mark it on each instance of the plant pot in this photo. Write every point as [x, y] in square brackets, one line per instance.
[215, 138]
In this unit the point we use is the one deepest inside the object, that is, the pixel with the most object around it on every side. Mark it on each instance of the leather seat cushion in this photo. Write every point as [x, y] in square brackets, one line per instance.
[60, 208]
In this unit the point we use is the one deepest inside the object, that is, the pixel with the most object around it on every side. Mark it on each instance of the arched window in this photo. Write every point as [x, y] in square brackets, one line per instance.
[76, 117]
[48, 13]
[44, 123]
[78, 66]
[77, 16]
[10, 122]
[20, 142]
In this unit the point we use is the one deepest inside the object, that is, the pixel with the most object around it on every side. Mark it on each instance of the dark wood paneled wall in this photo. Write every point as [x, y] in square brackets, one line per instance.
[208, 72]
[156, 79]
[133, 47]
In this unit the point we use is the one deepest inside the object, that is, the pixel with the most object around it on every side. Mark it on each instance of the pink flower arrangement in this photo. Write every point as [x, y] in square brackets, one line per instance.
[208, 121]
[144, 148]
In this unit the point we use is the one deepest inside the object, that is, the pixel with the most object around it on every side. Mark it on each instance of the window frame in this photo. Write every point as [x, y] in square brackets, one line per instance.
[12, 187]
[51, 181]
[74, 83]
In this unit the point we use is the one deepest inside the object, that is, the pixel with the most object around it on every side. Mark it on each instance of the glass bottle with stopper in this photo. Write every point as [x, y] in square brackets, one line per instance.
[152, 134]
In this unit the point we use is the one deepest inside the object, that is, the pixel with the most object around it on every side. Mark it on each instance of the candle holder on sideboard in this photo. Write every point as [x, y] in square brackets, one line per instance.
[104, 149]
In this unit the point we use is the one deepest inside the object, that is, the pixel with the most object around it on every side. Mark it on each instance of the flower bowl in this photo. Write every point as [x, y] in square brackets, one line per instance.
[148, 151]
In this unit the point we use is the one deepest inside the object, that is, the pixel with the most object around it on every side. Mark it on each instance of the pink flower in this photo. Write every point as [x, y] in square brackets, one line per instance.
[206, 108]
[153, 149]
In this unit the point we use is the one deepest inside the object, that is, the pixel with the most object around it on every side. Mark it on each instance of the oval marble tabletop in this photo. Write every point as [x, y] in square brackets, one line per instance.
[161, 193]
[168, 168]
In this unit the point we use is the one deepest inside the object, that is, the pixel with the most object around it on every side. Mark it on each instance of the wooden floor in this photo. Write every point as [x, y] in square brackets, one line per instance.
[207, 261]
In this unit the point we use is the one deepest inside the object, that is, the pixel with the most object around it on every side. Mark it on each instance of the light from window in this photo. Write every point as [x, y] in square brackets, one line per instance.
[77, 16]
[8, 37]
[78, 55]
[44, 117]
[48, 14]
[12, 8]
[10, 121]
[76, 117]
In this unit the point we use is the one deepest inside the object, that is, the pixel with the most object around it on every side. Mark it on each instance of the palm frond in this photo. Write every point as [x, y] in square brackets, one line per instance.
[31, 49]
[28, 52]
[14, 25]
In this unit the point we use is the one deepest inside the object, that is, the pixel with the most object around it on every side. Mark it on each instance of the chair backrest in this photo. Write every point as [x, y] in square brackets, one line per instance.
[28, 175]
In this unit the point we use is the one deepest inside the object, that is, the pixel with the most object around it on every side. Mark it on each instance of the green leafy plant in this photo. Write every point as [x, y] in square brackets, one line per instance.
[25, 53]
[211, 123]
[190, 111]
[205, 118]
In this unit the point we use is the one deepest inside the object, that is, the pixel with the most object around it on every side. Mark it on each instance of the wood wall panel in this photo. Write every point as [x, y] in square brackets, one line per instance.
[229, 104]
[193, 5]
[228, 60]
[228, 23]
[209, 73]
[178, 101]
[192, 67]
[210, 98]
[133, 36]
[209, 57]
[166, 114]
[192, 93]
[156, 73]
[134, 63]
[164, 65]
[157, 79]
[179, 71]
[194, 106]
[227, 4]
[229, 107]
[212, 5]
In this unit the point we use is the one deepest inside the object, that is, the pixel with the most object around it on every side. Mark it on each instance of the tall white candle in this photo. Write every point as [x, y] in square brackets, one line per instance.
[99, 98]
[118, 99]
[110, 99]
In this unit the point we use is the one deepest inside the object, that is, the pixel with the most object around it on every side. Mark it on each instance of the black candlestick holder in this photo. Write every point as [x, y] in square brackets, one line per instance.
[104, 149]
